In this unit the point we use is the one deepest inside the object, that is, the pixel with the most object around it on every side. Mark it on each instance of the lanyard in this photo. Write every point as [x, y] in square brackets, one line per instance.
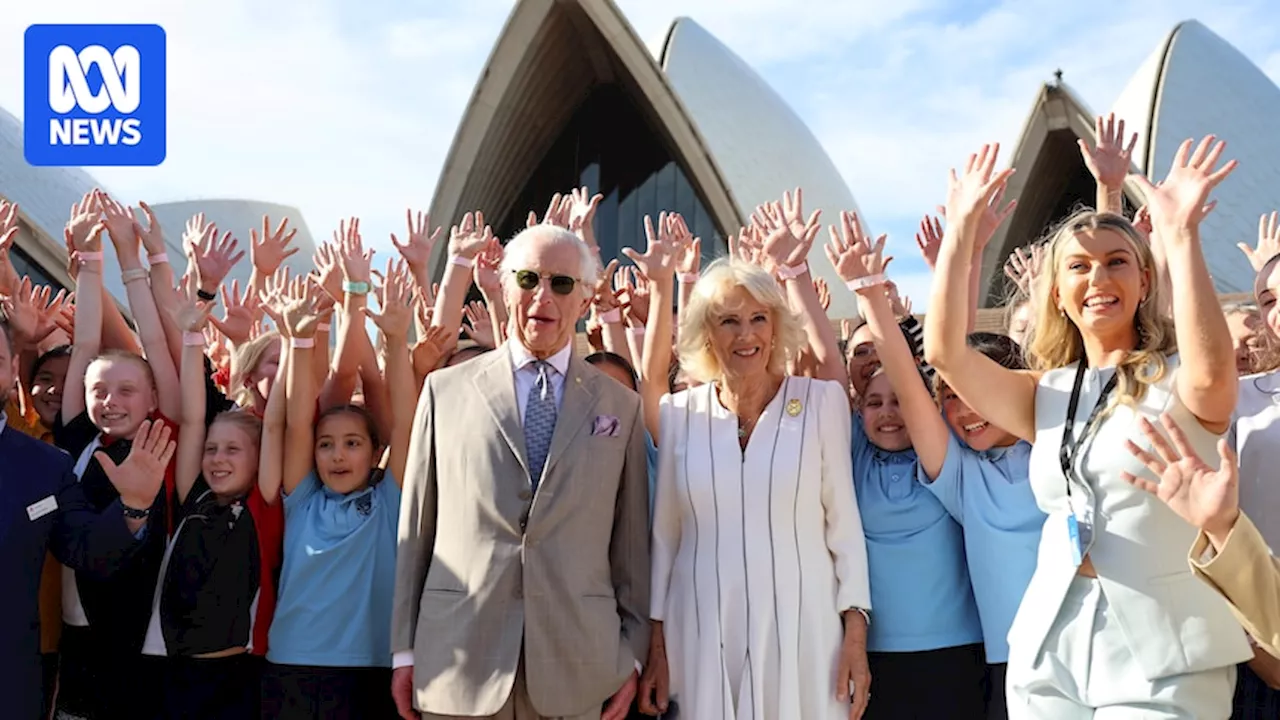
[1070, 443]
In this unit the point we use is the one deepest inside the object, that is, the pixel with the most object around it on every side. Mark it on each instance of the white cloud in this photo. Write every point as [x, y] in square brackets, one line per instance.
[342, 107]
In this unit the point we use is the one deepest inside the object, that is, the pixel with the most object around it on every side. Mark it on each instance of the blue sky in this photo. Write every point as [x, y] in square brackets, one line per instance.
[349, 106]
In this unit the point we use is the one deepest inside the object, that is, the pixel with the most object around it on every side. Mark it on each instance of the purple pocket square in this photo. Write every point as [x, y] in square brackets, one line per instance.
[606, 426]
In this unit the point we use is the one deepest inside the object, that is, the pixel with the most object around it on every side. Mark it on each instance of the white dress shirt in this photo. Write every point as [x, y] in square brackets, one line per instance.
[527, 373]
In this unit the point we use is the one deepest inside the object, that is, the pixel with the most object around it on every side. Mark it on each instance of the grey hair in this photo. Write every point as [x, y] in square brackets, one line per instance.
[513, 255]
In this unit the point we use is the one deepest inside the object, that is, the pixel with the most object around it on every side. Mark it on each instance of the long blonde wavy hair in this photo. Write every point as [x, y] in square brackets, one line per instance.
[1054, 341]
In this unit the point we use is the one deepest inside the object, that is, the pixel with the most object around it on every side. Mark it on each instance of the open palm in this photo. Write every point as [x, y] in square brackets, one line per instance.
[1206, 497]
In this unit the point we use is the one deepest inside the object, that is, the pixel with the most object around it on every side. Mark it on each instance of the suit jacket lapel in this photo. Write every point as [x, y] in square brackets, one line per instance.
[497, 385]
[579, 399]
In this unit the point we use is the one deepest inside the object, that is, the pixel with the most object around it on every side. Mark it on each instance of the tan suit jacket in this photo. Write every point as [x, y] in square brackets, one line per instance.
[487, 568]
[1246, 573]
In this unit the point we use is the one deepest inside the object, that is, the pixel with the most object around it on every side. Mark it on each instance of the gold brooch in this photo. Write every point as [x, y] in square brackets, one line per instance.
[794, 407]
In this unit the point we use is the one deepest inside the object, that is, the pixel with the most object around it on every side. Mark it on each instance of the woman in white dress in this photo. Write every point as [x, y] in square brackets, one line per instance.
[760, 591]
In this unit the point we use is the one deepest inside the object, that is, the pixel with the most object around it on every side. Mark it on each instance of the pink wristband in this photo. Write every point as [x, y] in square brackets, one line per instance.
[158, 258]
[193, 339]
[85, 255]
[462, 261]
[869, 281]
[637, 330]
[302, 343]
[612, 317]
[687, 278]
[791, 273]
[323, 327]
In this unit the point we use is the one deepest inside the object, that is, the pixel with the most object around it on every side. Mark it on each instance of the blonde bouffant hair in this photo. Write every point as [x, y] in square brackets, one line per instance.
[1054, 341]
[697, 357]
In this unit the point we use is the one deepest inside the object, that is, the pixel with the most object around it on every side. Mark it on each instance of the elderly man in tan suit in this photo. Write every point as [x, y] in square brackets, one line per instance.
[523, 570]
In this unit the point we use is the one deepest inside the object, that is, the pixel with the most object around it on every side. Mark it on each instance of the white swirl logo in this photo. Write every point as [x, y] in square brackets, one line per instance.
[69, 87]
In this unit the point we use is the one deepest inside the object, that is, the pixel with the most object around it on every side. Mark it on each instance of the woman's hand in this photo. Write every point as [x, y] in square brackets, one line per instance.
[214, 259]
[853, 675]
[1109, 161]
[658, 262]
[788, 236]
[971, 194]
[354, 260]
[1178, 204]
[1268, 242]
[239, 314]
[471, 237]
[1023, 267]
[152, 235]
[1207, 498]
[654, 693]
[417, 249]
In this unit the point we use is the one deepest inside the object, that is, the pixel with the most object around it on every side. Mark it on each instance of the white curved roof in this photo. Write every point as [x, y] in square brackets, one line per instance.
[1196, 83]
[238, 217]
[760, 145]
[44, 196]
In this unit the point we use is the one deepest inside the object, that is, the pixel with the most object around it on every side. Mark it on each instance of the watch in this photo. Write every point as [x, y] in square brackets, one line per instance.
[134, 513]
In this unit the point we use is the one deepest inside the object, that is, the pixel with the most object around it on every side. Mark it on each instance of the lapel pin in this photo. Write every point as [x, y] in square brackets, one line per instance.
[794, 407]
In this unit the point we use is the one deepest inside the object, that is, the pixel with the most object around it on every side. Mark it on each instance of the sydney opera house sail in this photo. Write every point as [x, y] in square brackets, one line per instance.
[570, 96]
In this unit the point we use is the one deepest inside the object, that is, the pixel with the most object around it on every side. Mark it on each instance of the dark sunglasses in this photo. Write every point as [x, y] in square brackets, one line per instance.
[560, 284]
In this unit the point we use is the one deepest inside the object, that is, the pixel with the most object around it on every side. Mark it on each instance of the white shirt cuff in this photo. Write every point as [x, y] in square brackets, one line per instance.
[404, 658]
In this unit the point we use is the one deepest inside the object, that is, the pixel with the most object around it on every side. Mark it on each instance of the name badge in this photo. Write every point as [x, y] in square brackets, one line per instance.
[37, 510]
[1080, 537]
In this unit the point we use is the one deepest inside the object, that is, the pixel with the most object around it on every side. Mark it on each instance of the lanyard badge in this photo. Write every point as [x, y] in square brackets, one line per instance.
[1080, 520]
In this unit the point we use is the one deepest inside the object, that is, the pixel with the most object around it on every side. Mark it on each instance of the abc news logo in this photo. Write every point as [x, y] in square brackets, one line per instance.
[69, 89]
[94, 95]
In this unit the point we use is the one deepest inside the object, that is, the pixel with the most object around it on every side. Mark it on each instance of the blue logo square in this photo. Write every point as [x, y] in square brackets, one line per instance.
[94, 95]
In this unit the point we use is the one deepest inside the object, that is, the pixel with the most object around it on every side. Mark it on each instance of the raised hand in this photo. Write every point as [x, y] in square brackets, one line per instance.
[824, 293]
[417, 250]
[213, 259]
[788, 236]
[139, 478]
[487, 268]
[929, 240]
[970, 193]
[48, 308]
[273, 297]
[328, 270]
[689, 261]
[84, 216]
[431, 349]
[239, 313]
[638, 297]
[8, 234]
[748, 246]
[301, 311]
[1268, 242]
[354, 260]
[1023, 267]
[1109, 161]
[900, 304]
[192, 314]
[582, 214]
[477, 314]
[196, 231]
[470, 237]
[1179, 203]
[395, 302]
[991, 218]
[1206, 497]
[853, 255]
[152, 235]
[658, 261]
[268, 250]
[120, 225]
[23, 315]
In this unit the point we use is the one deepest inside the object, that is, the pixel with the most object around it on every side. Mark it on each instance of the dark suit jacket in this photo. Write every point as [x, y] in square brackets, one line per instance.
[31, 471]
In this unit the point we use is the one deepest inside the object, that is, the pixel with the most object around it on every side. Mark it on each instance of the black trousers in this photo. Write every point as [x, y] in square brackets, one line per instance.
[98, 682]
[997, 703]
[228, 688]
[945, 684]
[1254, 700]
[301, 692]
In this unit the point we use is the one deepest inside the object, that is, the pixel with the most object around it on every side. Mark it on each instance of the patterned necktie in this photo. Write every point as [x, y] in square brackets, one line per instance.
[539, 421]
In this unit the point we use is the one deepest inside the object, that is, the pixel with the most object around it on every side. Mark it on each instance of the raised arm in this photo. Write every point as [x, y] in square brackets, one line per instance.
[1207, 380]
[353, 262]
[163, 290]
[659, 264]
[121, 227]
[860, 263]
[1109, 161]
[789, 235]
[190, 318]
[970, 373]
[296, 312]
[394, 320]
[269, 250]
[84, 235]
[466, 241]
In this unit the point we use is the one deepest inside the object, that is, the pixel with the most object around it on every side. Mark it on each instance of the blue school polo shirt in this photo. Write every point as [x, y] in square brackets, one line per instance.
[338, 578]
[989, 493]
[920, 593]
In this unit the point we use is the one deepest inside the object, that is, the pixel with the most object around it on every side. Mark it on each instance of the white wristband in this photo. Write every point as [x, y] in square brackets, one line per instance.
[302, 343]
[158, 258]
[688, 278]
[869, 281]
[193, 339]
[462, 261]
[611, 317]
[791, 273]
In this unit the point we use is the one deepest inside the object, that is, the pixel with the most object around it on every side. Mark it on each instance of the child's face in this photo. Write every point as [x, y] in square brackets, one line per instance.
[344, 452]
[230, 460]
[119, 396]
[46, 389]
